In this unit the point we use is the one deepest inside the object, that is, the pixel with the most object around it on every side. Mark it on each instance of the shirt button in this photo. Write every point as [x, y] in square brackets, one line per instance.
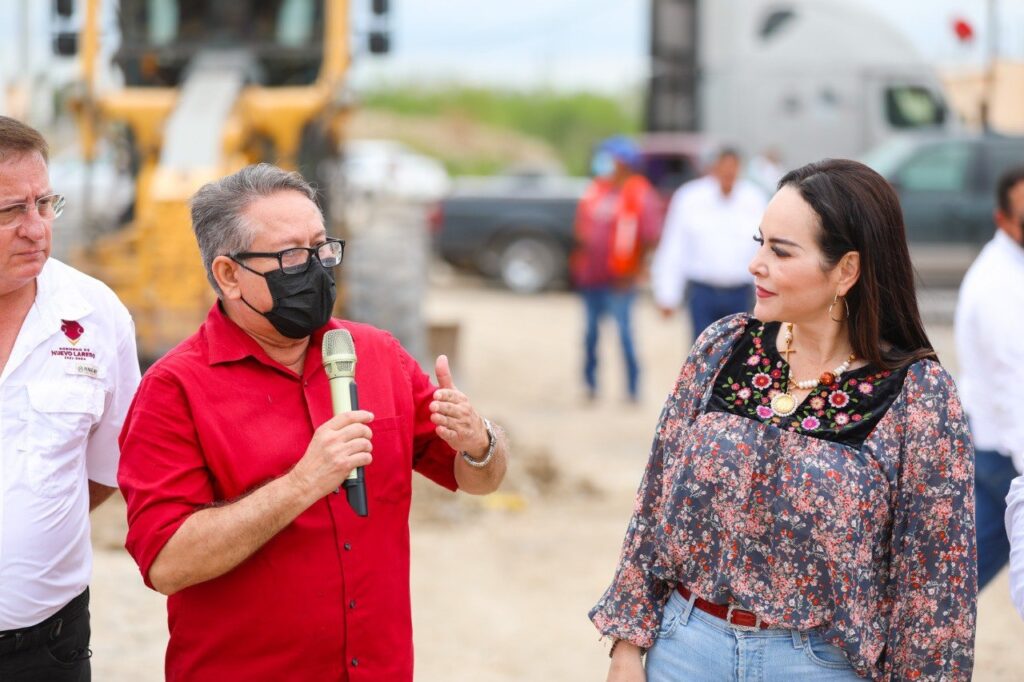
[352, 604]
[348, 546]
[355, 662]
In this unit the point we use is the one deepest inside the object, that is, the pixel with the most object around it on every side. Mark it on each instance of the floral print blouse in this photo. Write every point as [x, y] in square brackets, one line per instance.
[854, 515]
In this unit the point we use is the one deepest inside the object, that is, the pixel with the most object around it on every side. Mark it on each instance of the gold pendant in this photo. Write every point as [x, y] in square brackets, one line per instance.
[783, 404]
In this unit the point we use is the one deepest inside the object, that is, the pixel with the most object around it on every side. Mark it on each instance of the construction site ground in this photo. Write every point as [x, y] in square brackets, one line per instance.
[502, 585]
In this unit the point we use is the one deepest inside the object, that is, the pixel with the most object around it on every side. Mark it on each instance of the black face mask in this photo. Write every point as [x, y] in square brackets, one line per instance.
[302, 302]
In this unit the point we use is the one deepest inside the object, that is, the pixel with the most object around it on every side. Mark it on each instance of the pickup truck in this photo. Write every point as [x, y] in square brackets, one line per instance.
[518, 229]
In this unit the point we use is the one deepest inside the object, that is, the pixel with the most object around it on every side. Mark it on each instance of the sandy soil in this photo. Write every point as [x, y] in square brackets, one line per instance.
[502, 585]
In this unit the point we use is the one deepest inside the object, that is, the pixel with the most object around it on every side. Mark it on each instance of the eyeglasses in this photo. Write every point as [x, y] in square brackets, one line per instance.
[296, 260]
[48, 207]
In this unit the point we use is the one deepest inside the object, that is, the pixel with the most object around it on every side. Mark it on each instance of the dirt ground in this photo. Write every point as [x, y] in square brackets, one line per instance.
[501, 585]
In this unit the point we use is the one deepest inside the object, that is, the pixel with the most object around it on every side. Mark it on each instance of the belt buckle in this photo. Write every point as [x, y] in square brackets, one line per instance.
[743, 628]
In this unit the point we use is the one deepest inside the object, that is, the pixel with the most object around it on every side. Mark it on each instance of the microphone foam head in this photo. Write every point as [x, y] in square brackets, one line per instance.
[339, 353]
[338, 342]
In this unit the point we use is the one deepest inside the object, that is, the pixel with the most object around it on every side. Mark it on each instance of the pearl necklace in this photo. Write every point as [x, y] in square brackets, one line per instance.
[785, 404]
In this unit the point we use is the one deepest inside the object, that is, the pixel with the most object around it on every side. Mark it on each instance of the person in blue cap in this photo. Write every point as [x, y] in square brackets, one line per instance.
[617, 221]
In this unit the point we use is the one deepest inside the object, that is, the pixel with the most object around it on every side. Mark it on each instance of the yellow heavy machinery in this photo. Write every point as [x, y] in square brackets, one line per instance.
[208, 87]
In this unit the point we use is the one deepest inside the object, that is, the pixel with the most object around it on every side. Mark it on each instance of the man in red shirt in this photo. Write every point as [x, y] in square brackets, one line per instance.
[231, 459]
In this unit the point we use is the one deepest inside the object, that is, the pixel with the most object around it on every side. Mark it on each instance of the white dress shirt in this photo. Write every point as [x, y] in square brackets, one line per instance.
[1015, 531]
[989, 330]
[64, 393]
[707, 238]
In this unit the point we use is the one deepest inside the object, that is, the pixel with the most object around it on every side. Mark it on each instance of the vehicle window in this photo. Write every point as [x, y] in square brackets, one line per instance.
[887, 157]
[162, 21]
[1002, 156]
[253, 23]
[940, 168]
[159, 38]
[295, 22]
[913, 106]
[775, 22]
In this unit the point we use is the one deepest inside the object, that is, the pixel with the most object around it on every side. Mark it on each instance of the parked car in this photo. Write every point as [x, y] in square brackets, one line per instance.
[375, 166]
[946, 186]
[518, 228]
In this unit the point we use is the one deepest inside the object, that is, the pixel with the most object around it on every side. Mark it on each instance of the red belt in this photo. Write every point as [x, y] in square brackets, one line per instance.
[727, 612]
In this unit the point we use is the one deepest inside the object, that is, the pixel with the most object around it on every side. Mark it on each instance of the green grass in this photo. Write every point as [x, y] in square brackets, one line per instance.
[571, 123]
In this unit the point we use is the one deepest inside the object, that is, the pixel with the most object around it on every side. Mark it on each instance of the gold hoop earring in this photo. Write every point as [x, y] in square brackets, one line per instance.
[846, 305]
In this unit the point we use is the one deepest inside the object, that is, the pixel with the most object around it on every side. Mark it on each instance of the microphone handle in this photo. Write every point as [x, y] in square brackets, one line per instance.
[345, 398]
[355, 484]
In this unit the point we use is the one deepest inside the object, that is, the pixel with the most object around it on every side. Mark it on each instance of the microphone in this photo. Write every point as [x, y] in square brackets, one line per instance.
[339, 358]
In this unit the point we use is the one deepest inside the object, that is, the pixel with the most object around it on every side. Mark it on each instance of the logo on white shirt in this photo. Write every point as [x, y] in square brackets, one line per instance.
[73, 330]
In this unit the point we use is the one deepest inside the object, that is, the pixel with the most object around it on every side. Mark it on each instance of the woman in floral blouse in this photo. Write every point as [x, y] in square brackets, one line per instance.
[807, 512]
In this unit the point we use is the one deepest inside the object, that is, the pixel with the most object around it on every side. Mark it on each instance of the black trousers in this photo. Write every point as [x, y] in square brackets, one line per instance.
[56, 650]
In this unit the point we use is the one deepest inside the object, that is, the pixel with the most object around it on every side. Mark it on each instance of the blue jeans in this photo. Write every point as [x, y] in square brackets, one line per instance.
[598, 302]
[709, 304]
[693, 645]
[993, 473]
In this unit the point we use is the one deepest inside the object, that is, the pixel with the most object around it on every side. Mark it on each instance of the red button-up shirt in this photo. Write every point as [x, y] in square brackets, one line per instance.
[328, 597]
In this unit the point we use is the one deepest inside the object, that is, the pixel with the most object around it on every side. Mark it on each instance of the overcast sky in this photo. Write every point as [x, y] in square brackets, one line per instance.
[565, 43]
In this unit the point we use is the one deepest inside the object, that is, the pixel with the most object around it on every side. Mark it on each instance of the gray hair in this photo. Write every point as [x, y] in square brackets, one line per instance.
[218, 208]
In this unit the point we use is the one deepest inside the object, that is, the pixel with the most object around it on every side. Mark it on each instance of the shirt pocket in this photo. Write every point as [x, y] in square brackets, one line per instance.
[61, 417]
[389, 476]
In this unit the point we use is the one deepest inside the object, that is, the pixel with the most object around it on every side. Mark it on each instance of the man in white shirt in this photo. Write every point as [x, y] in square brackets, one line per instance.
[989, 329]
[707, 243]
[68, 371]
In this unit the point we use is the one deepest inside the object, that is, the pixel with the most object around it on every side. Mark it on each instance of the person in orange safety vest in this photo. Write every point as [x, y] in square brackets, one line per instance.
[617, 222]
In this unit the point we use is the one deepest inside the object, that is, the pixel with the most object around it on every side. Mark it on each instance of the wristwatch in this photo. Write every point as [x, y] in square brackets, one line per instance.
[491, 442]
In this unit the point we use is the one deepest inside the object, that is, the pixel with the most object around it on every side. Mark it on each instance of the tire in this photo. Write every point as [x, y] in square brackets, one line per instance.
[528, 264]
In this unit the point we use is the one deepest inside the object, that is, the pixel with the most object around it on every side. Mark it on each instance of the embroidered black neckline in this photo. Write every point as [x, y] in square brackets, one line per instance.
[844, 412]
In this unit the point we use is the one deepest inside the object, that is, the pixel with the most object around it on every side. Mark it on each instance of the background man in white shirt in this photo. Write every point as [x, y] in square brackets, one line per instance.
[707, 243]
[989, 333]
[68, 371]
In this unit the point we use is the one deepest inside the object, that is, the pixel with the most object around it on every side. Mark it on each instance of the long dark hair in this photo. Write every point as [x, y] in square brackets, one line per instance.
[859, 211]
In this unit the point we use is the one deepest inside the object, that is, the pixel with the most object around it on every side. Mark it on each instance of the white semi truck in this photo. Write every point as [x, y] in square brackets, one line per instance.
[809, 78]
